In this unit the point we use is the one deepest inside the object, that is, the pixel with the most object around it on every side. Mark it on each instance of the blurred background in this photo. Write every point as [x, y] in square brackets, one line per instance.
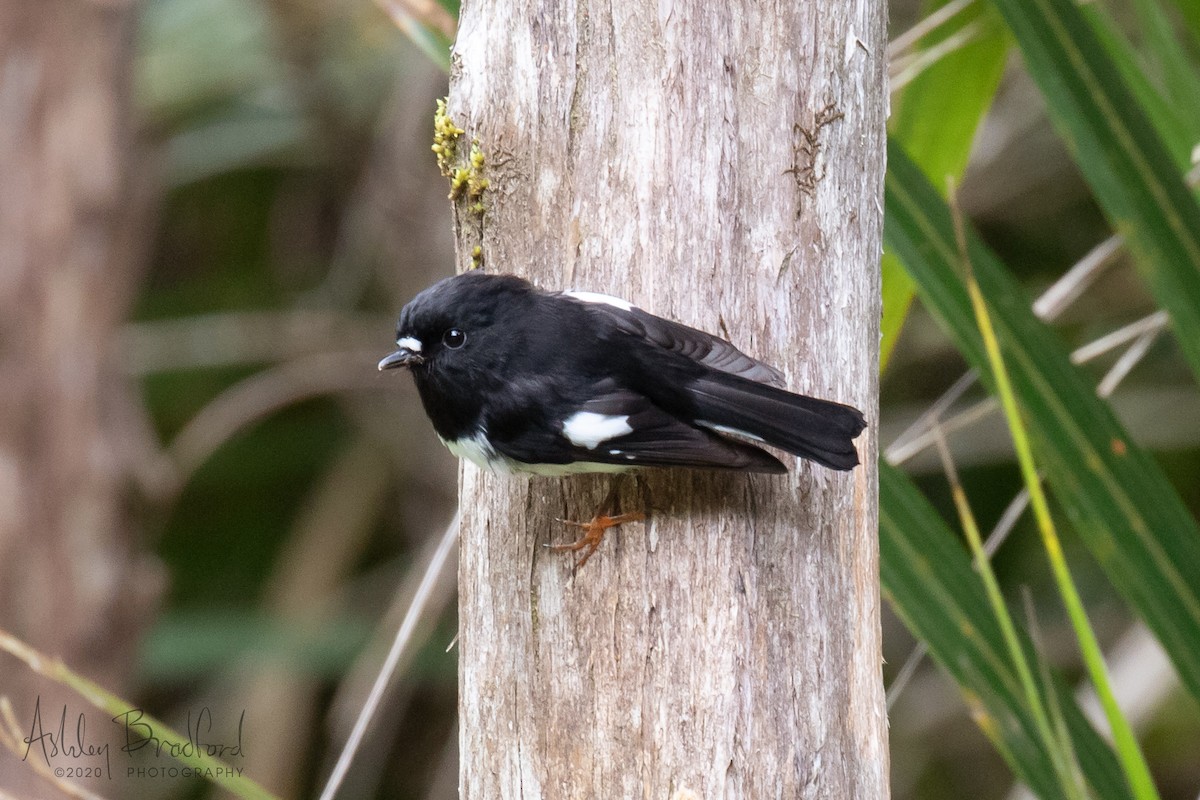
[210, 499]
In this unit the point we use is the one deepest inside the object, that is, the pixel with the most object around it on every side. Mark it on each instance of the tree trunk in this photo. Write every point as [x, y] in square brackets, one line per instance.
[72, 231]
[721, 165]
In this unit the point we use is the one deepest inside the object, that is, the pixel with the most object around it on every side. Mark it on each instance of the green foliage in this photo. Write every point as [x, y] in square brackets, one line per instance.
[189, 645]
[935, 117]
[1131, 118]
[245, 131]
[1136, 179]
[927, 576]
[1118, 499]
[1137, 773]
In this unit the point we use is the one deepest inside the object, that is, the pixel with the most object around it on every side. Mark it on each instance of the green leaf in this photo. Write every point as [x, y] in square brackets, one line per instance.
[935, 116]
[1134, 177]
[1114, 493]
[1176, 73]
[241, 138]
[928, 578]
[1137, 771]
[186, 645]
[432, 43]
[192, 55]
[1190, 11]
[431, 30]
[897, 300]
[1172, 104]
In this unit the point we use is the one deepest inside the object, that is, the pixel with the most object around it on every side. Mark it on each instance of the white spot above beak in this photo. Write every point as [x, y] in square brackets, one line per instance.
[409, 343]
[588, 429]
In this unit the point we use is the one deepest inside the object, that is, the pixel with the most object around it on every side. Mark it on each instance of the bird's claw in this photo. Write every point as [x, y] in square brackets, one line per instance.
[593, 534]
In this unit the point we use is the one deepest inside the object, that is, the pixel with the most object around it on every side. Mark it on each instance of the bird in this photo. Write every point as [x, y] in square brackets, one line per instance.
[521, 380]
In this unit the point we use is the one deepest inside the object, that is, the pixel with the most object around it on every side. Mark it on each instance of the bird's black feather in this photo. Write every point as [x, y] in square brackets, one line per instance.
[819, 430]
[546, 382]
[694, 344]
[656, 439]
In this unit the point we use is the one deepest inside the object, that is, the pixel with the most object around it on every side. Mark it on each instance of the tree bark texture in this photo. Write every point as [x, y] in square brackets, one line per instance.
[720, 164]
[72, 233]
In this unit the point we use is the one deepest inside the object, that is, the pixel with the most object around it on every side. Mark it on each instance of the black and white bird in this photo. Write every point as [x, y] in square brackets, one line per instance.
[517, 379]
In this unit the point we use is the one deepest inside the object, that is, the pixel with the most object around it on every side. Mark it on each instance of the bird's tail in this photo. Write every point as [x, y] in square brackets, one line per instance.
[819, 430]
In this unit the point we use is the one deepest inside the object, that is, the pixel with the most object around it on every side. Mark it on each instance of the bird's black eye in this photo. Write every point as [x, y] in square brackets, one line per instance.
[454, 338]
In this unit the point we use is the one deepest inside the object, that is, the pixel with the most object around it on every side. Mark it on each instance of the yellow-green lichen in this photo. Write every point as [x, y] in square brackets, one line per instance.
[466, 181]
[445, 139]
[469, 182]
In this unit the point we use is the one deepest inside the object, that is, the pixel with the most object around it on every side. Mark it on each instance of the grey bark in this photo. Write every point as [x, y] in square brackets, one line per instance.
[722, 165]
[73, 198]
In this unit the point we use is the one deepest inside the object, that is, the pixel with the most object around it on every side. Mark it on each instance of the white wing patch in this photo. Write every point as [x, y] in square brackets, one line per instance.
[588, 429]
[606, 299]
[409, 343]
[731, 431]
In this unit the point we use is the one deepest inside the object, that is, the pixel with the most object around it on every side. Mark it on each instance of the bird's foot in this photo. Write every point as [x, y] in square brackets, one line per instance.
[593, 534]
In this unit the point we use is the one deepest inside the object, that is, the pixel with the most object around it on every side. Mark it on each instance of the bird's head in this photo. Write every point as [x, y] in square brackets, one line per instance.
[448, 326]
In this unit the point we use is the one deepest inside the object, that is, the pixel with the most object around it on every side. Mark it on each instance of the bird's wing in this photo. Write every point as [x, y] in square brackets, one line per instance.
[711, 351]
[819, 430]
[624, 429]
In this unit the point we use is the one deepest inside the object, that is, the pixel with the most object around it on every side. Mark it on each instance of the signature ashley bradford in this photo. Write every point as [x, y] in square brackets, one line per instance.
[54, 741]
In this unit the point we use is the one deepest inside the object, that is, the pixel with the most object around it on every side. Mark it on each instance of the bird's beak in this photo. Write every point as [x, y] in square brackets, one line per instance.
[401, 358]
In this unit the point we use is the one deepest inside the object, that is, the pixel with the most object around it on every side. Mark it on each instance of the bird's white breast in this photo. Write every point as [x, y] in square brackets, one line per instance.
[477, 450]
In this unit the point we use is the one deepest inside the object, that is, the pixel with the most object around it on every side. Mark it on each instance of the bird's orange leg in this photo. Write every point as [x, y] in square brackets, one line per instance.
[593, 532]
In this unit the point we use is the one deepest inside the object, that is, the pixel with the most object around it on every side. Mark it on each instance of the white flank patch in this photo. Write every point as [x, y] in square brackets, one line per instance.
[731, 431]
[588, 429]
[477, 450]
[409, 343]
[606, 299]
[559, 470]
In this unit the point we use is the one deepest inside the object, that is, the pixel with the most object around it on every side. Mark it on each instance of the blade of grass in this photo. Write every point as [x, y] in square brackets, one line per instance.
[1190, 11]
[1056, 712]
[1059, 752]
[1137, 772]
[1175, 71]
[431, 26]
[216, 770]
[936, 116]
[1114, 493]
[412, 616]
[927, 577]
[1173, 111]
[1135, 179]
